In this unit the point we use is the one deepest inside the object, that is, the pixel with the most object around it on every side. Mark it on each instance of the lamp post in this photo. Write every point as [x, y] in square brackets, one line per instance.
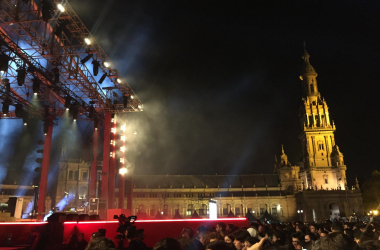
[300, 212]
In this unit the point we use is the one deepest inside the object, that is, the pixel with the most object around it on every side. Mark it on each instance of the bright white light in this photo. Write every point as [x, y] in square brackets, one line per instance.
[25, 124]
[75, 120]
[45, 134]
[135, 133]
[35, 93]
[96, 128]
[87, 41]
[122, 149]
[253, 212]
[132, 97]
[162, 212]
[139, 106]
[2, 72]
[213, 210]
[60, 7]
[122, 138]
[106, 64]
[123, 171]
[5, 114]
[118, 80]
[123, 127]
[122, 160]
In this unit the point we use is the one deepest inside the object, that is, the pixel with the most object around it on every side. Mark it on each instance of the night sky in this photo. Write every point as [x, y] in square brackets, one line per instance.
[220, 79]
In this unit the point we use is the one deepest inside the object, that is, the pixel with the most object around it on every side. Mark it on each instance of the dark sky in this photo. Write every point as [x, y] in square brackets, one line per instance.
[220, 79]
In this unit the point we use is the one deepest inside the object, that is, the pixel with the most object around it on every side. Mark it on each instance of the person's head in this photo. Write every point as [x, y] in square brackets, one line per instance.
[323, 233]
[187, 232]
[336, 227]
[203, 237]
[229, 239]
[96, 235]
[167, 244]
[279, 237]
[100, 243]
[81, 237]
[240, 237]
[218, 245]
[313, 228]
[214, 236]
[220, 227]
[261, 229]
[250, 241]
[310, 237]
[297, 240]
[73, 237]
[201, 229]
[140, 234]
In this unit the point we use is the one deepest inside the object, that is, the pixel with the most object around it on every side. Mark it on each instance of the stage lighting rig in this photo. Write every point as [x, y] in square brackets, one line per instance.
[60, 7]
[88, 57]
[36, 85]
[21, 74]
[95, 68]
[106, 64]
[101, 80]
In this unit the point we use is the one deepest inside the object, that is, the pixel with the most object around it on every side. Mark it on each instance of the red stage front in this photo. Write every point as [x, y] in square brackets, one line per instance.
[155, 230]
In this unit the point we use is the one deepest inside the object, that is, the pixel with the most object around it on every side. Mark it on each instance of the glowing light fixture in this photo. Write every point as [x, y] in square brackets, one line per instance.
[375, 212]
[106, 64]
[35, 93]
[132, 97]
[118, 80]
[25, 124]
[139, 106]
[75, 120]
[87, 41]
[122, 149]
[123, 127]
[123, 171]
[60, 7]
[122, 138]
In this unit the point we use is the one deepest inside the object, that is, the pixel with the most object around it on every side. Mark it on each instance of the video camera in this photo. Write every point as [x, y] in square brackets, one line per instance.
[125, 223]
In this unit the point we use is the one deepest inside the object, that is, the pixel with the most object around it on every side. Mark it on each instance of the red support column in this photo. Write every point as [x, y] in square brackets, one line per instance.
[94, 163]
[121, 190]
[112, 172]
[106, 157]
[130, 192]
[45, 171]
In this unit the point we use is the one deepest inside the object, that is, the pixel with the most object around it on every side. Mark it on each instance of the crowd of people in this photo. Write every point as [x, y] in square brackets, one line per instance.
[297, 235]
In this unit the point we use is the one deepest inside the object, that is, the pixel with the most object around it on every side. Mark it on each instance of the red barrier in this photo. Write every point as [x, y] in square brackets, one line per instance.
[19, 231]
[155, 230]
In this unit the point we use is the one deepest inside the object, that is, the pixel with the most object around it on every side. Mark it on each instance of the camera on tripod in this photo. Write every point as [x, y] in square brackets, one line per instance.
[125, 223]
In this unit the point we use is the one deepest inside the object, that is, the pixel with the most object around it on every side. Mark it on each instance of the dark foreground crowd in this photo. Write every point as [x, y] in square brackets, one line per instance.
[296, 235]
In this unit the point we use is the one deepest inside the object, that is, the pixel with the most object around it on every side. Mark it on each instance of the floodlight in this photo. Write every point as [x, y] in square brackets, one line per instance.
[123, 171]
[106, 64]
[60, 7]
[87, 41]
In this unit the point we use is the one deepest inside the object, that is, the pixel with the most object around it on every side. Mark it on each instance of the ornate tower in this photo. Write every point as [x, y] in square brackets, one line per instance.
[322, 161]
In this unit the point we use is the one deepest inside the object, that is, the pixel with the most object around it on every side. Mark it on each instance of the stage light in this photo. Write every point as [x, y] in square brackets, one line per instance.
[46, 10]
[118, 80]
[132, 97]
[102, 78]
[6, 104]
[135, 133]
[123, 127]
[21, 73]
[87, 41]
[35, 93]
[36, 85]
[4, 63]
[122, 149]
[88, 57]
[125, 101]
[18, 110]
[7, 85]
[25, 118]
[123, 171]
[56, 75]
[25, 124]
[75, 120]
[122, 138]
[106, 64]
[139, 106]
[60, 7]
[95, 68]
[67, 102]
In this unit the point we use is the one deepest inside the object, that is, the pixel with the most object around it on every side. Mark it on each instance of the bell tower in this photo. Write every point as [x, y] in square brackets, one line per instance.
[322, 161]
